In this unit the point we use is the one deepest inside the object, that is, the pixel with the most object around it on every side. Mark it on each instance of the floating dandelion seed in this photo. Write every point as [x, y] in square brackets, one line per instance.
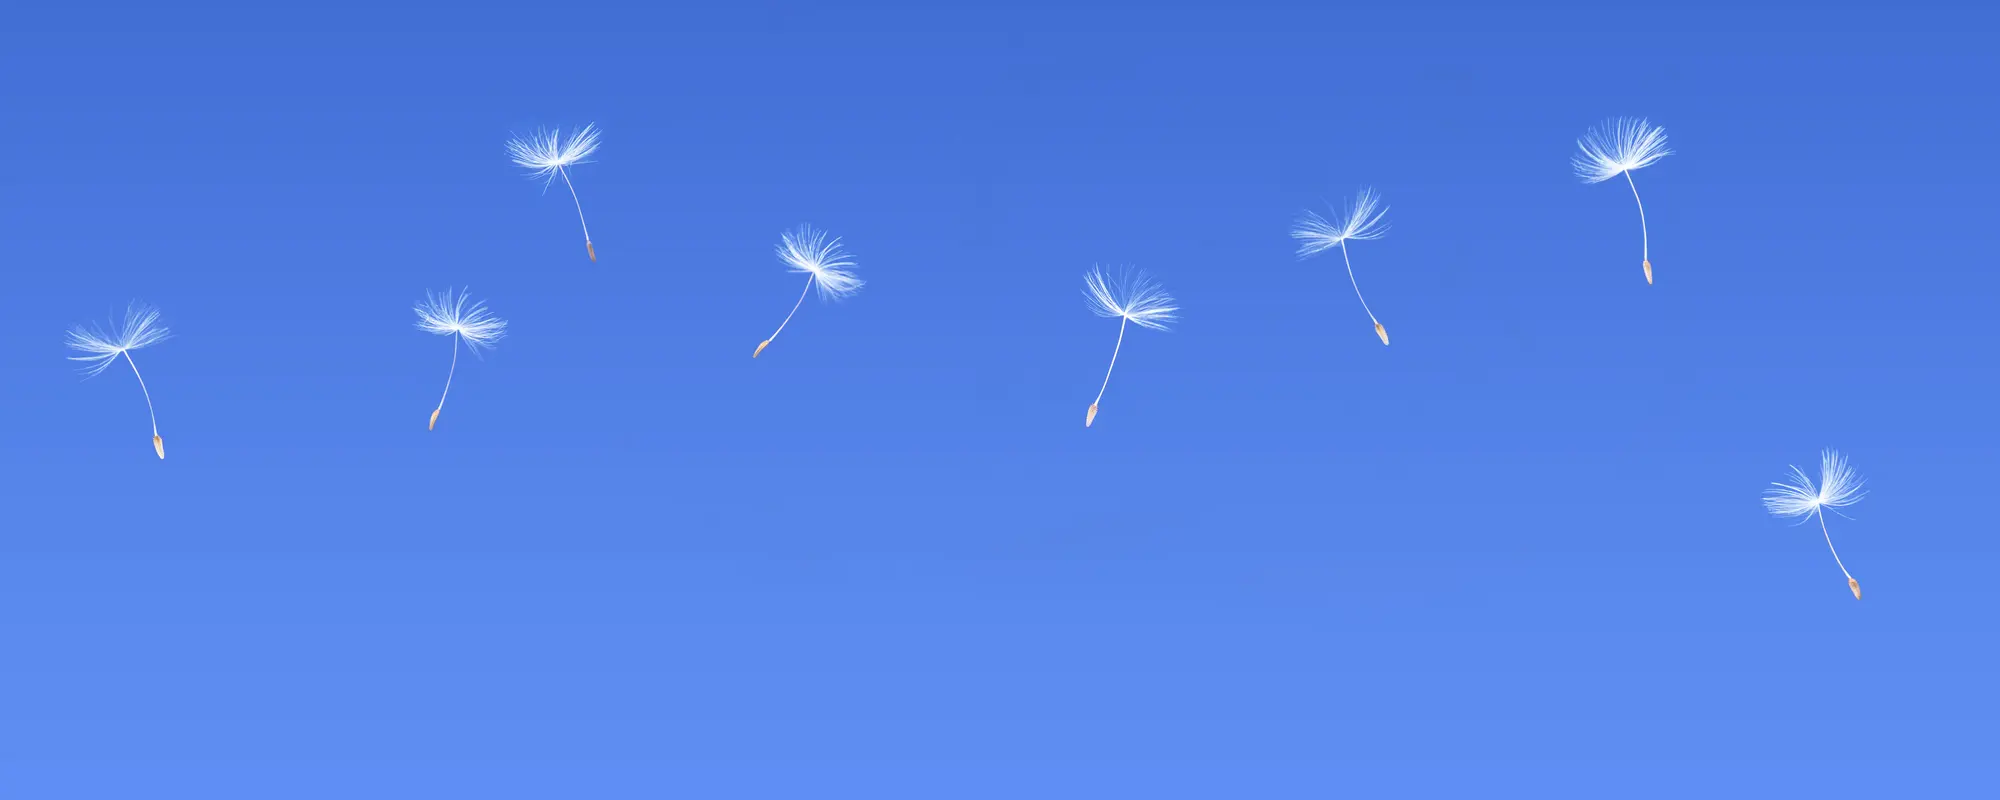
[806, 249]
[1838, 487]
[447, 315]
[1131, 298]
[548, 156]
[1616, 148]
[1360, 222]
[141, 329]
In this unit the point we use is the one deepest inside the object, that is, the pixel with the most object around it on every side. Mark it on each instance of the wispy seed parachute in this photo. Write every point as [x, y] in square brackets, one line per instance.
[1839, 486]
[1361, 221]
[1614, 148]
[447, 314]
[825, 264]
[141, 328]
[547, 156]
[1132, 298]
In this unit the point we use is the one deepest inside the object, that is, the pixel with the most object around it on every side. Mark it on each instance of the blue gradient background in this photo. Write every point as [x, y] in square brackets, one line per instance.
[1520, 552]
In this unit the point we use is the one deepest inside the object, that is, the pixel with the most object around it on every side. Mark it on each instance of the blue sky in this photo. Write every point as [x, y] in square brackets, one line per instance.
[1519, 551]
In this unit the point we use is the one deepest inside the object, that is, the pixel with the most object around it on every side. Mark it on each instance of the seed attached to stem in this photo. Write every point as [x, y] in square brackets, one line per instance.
[101, 349]
[548, 156]
[825, 264]
[1132, 299]
[1839, 486]
[1616, 148]
[1360, 222]
[160, 447]
[448, 315]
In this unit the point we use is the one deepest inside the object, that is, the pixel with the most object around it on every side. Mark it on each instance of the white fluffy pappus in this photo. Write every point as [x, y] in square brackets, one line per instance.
[546, 153]
[808, 250]
[1131, 296]
[1364, 220]
[1617, 146]
[139, 329]
[446, 313]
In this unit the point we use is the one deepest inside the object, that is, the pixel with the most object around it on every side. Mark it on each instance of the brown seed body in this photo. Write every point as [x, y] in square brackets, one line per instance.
[1855, 587]
[160, 446]
[1649, 271]
[760, 348]
[591, 250]
[1090, 416]
[434, 418]
[1382, 332]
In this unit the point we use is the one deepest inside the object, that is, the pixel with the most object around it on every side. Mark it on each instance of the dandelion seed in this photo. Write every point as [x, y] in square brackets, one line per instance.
[141, 328]
[446, 314]
[1360, 222]
[1839, 487]
[548, 157]
[1132, 298]
[825, 265]
[1615, 148]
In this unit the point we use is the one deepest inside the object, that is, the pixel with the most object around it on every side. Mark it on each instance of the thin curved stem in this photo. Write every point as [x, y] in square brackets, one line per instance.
[1114, 359]
[1357, 284]
[795, 308]
[144, 391]
[448, 375]
[579, 203]
[1644, 254]
[1829, 546]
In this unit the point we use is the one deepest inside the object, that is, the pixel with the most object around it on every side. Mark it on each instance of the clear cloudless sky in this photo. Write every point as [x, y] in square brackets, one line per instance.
[1520, 552]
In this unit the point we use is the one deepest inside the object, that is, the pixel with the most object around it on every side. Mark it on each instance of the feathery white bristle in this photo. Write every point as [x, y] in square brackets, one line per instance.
[1360, 221]
[139, 329]
[1617, 146]
[807, 249]
[1839, 486]
[447, 314]
[544, 152]
[1132, 296]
